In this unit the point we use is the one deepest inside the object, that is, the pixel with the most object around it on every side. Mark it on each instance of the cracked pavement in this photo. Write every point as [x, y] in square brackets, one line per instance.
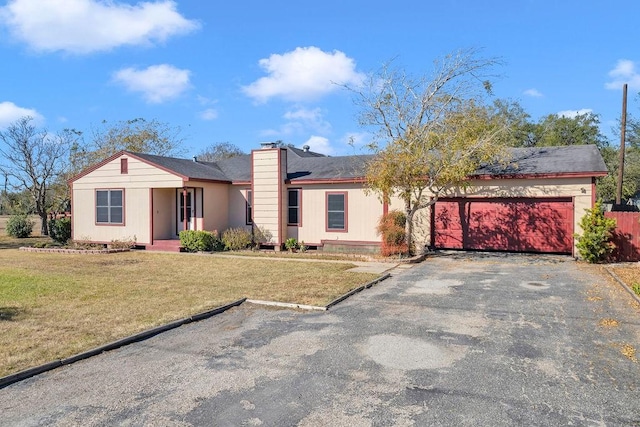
[461, 339]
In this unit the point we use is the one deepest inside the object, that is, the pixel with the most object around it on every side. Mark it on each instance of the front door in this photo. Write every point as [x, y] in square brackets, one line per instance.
[186, 210]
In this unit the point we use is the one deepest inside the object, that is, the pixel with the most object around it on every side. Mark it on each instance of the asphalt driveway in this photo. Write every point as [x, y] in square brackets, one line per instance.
[457, 340]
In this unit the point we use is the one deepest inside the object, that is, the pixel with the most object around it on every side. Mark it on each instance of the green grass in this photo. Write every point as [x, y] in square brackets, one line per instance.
[56, 305]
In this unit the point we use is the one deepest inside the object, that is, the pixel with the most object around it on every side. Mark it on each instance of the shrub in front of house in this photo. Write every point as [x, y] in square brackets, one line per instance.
[236, 239]
[261, 236]
[391, 228]
[60, 230]
[19, 226]
[594, 244]
[291, 244]
[197, 240]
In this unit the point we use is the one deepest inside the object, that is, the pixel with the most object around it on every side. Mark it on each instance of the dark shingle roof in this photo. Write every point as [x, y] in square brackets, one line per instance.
[312, 168]
[237, 168]
[186, 167]
[549, 160]
[307, 165]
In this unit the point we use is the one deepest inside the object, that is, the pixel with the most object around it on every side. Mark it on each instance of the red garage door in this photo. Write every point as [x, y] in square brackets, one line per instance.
[509, 224]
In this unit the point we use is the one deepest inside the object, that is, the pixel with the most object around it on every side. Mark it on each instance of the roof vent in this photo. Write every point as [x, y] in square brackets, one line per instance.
[305, 148]
[195, 159]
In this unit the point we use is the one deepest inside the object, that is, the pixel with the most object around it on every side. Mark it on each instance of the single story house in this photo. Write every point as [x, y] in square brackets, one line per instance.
[532, 205]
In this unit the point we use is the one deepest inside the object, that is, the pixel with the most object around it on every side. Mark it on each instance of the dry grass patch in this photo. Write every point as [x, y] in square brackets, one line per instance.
[608, 323]
[629, 352]
[56, 305]
[629, 274]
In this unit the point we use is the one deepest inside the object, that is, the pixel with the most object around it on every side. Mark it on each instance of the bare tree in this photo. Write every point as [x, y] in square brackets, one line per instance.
[32, 159]
[219, 151]
[431, 131]
[137, 135]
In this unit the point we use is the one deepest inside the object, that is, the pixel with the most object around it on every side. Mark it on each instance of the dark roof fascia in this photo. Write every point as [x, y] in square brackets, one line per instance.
[539, 175]
[356, 180]
[214, 181]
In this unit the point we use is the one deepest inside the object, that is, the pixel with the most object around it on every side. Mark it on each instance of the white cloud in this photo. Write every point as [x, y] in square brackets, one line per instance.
[306, 73]
[535, 93]
[10, 112]
[320, 144]
[624, 72]
[209, 114]
[309, 119]
[300, 121]
[571, 114]
[85, 26]
[157, 83]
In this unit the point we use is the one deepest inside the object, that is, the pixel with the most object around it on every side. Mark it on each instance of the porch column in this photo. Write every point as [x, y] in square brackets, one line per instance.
[184, 208]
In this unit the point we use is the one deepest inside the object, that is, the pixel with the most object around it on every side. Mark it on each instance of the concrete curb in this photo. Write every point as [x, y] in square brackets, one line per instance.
[28, 373]
[286, 305]
[358, 289]
[624, 285]
[321, 308]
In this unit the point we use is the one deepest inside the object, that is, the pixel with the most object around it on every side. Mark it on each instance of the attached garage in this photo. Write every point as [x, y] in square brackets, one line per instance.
[532, 203]
[505, 224]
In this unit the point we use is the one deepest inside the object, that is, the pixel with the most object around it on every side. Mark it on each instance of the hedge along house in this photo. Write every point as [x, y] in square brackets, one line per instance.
[532, 205]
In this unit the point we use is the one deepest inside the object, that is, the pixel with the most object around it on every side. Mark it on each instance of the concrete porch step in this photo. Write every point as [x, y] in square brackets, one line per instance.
[165, 245]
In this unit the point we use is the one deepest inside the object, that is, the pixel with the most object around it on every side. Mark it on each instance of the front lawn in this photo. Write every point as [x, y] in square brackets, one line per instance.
[56, 305]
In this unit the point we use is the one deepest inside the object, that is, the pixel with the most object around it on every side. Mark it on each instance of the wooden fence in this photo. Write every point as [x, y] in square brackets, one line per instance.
[626, 236]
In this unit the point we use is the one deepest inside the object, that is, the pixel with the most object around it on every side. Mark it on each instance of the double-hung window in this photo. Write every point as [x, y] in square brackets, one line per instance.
[293, 206]
[337, 211]
[110, 206]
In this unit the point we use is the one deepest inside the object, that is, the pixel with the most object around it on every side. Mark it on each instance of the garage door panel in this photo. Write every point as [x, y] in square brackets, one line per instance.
[520, 225]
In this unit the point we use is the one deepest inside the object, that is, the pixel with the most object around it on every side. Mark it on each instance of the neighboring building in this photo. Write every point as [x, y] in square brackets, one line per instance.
[533, 205]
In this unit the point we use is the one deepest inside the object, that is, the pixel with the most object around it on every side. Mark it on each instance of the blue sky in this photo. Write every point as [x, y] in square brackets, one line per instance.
[256, 71]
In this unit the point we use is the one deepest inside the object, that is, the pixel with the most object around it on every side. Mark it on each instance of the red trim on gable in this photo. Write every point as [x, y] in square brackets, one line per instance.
[133, 156]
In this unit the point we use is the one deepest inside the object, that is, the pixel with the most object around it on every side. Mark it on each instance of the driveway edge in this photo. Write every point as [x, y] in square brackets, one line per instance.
[141, 336]
[358, 289]
[624, 285]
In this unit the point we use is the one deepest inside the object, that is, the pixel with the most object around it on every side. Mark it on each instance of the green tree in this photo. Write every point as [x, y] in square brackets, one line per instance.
[435, 131]
[219, 151]
[32, 159]
[582, 129]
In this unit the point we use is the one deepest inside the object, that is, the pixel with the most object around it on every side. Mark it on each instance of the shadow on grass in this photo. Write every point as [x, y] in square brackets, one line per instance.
[7, 242]
[10, 313]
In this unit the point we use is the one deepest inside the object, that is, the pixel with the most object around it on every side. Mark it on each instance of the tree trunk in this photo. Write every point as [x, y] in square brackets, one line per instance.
[44, 229]
[408, 226]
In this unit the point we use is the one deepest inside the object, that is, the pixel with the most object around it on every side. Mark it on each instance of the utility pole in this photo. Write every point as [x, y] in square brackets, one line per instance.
[622, 139]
